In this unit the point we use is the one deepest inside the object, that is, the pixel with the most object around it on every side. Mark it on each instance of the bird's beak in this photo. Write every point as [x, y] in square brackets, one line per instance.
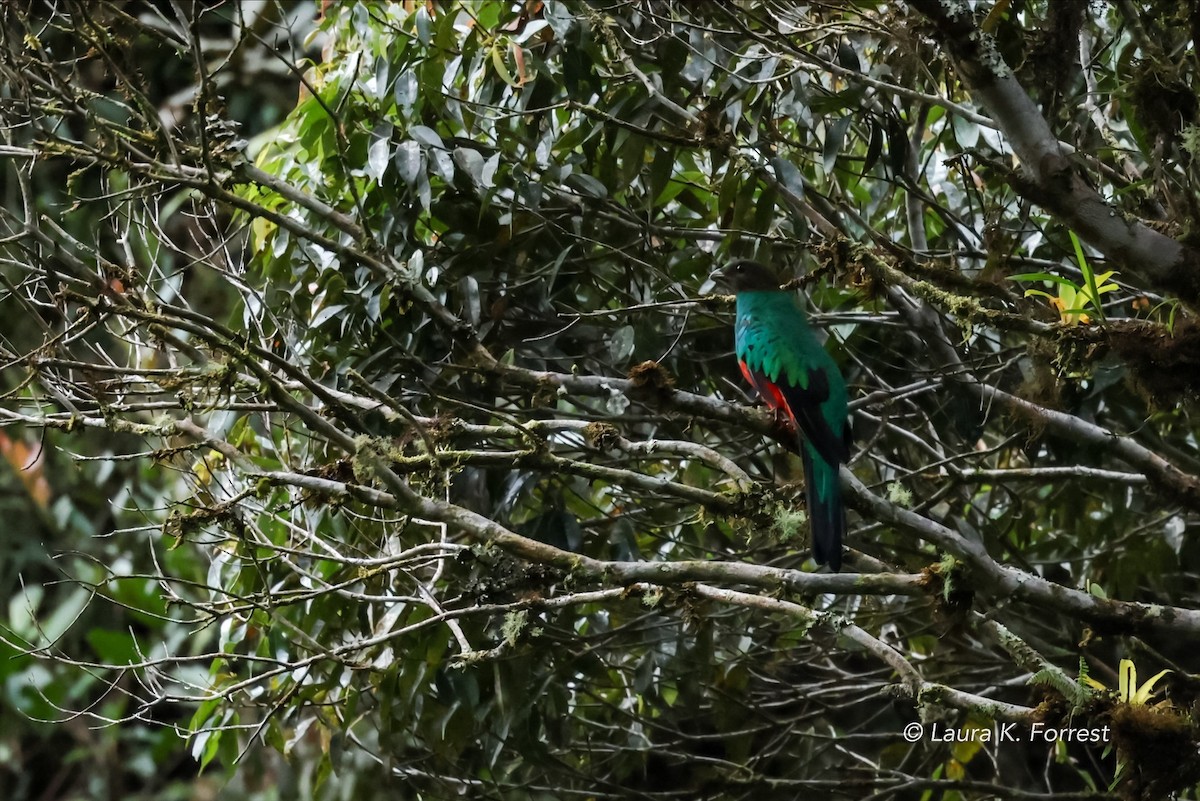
[716, 280]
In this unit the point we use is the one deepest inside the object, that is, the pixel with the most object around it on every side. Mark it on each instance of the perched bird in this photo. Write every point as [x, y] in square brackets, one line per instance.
[781, 357]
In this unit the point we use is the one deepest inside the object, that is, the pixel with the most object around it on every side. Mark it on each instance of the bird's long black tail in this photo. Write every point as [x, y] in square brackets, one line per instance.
[825, 510]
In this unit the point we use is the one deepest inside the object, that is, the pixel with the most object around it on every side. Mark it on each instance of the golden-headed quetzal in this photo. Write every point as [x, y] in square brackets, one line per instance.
[780, 355]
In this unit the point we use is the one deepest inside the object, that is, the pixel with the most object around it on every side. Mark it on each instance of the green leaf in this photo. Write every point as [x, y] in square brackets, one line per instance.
[469, 161]
[426, 136]
[874, 147]
[835, 135]
[1093, 292]
[502, 68]
[1043, 277]
[377, 157]
[587, 185]
[410, 161]
[621, 345]
[423, 24]
[789, 177]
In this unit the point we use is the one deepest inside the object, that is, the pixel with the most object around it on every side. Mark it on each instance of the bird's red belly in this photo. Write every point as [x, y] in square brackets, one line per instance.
[766, 390]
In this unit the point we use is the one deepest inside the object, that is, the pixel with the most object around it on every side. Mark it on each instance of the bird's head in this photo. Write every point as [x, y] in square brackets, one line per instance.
[746, 275]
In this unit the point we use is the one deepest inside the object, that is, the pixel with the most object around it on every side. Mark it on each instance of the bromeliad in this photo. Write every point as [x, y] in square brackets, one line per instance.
[781, 357]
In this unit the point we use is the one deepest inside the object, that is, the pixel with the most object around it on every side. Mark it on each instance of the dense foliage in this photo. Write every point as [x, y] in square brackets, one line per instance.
[386, 441]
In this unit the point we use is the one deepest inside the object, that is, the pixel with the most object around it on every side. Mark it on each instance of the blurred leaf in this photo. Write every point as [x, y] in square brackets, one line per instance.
[835, 135]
